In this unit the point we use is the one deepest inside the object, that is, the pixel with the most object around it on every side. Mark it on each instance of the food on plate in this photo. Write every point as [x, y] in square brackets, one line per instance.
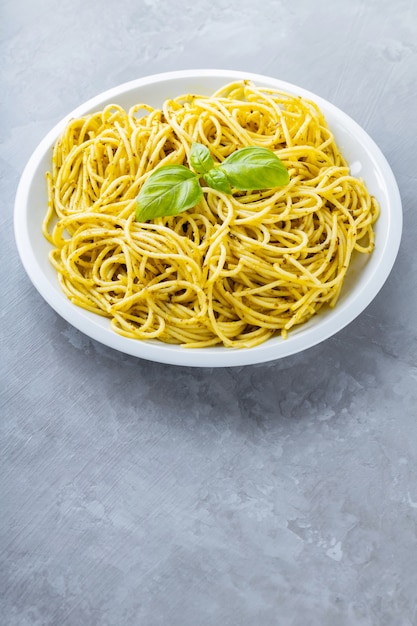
[200, 261]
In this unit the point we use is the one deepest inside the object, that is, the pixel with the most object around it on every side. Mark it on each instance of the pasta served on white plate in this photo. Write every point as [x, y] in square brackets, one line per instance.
[234, 270]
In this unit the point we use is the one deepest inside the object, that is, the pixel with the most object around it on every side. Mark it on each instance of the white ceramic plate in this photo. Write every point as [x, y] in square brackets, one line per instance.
[366, 276]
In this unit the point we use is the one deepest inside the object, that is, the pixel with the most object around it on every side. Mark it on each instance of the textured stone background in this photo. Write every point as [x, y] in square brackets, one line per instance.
[134, 493]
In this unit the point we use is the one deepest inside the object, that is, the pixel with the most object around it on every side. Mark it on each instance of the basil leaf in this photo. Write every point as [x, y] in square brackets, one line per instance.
[169, 190]
[200, 158]
[216, 179]
[254, 167]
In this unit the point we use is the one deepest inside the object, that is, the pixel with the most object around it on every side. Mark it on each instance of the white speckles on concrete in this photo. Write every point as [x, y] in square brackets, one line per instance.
[335, 551]
[135, 493]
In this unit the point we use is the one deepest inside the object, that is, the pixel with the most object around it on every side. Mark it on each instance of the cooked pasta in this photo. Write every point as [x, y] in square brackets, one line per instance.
[236, 269]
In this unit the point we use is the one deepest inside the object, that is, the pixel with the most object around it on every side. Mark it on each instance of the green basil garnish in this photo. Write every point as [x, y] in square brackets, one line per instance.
[200, 158]
[253, 167]
[217, 179]
[171, 189]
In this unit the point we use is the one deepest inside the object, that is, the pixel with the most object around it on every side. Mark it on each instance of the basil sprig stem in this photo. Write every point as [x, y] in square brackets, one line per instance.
[171, 189]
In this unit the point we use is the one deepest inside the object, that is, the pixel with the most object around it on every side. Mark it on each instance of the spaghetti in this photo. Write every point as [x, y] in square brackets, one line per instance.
[235, 270]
